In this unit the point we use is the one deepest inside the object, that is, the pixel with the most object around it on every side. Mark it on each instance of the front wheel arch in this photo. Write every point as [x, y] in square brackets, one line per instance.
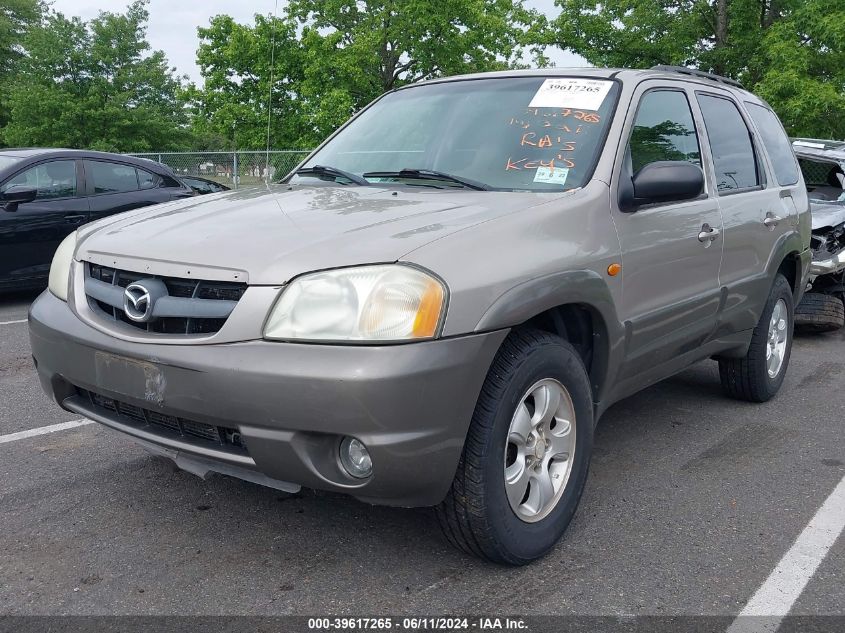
[551, 303]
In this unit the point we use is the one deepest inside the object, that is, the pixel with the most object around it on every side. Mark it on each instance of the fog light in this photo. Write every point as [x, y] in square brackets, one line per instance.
[355, 458]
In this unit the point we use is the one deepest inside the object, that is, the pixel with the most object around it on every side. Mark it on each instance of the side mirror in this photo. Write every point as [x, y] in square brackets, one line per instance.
[17, 194]
[663, 181]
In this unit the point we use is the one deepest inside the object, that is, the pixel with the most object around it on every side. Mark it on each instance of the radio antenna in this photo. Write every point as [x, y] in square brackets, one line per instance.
[270, 92]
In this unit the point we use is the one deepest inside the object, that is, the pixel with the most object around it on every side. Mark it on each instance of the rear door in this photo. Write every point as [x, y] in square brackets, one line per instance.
[754, 214]
[115, 187]
[671, 275]
[30, 235]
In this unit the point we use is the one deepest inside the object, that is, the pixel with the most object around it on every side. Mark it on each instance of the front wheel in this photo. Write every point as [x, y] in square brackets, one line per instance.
[758, 376]
[526, 455]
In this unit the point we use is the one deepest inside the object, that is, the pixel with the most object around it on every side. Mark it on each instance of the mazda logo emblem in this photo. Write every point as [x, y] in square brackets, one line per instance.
[137, 303]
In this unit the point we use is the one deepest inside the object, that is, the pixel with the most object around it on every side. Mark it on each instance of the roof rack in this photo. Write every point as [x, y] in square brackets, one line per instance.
[699, 73]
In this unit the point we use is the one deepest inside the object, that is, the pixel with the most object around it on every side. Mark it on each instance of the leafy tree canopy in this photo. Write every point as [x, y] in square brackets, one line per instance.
[335, 56]
[791, 52]
[804, 73]
[16, 17]
[95, 85]
[98, 84]
[230, 111]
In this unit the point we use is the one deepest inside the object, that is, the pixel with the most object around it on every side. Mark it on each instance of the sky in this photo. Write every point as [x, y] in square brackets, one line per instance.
[173, 25]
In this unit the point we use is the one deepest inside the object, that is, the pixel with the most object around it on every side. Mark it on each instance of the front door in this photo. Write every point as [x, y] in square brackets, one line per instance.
[30, 234]
[671, 252]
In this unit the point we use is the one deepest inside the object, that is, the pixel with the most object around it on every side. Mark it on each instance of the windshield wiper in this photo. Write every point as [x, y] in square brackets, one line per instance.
[429, 174]
[334, 172]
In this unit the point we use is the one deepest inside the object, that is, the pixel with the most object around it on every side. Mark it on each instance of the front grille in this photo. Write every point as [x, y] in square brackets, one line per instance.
[167, 426]
[110, 304]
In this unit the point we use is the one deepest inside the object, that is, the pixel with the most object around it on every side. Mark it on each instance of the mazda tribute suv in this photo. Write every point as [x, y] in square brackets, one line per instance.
[438, 304]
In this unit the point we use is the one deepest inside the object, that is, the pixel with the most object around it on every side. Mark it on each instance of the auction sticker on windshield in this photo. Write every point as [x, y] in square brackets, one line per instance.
[552, 175]
[571, 92]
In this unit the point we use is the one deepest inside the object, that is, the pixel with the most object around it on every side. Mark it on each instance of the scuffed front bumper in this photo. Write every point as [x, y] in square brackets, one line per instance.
[291, 403]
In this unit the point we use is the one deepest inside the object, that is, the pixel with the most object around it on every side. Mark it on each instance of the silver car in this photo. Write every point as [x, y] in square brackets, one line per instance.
[822, 164]
[438, 305]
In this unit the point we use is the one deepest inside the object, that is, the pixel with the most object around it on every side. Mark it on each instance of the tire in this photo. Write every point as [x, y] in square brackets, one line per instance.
[477, 515]
[749, 378]
[819, 312]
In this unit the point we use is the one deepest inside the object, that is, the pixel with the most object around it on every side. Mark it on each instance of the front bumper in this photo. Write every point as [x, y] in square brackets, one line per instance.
[828, 266]
[410, 404]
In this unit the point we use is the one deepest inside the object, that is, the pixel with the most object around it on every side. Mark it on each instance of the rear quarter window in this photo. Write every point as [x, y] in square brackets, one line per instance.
[146, 180]
[776, 142]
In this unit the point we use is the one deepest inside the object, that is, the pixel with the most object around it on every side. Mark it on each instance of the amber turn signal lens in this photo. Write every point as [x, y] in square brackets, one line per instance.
[614, 269]
[428, 313]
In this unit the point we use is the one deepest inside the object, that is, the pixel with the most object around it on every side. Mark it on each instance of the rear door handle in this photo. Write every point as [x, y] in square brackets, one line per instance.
[771, 220]
[74, 218]
[708, 234]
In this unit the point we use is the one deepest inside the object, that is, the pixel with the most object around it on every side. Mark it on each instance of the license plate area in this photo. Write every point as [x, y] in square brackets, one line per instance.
[136, 379]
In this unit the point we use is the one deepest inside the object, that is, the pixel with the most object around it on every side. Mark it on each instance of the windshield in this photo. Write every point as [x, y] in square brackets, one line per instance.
[531, 133]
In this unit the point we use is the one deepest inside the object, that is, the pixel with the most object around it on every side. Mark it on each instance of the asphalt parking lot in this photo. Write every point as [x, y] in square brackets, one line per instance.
[693, 501]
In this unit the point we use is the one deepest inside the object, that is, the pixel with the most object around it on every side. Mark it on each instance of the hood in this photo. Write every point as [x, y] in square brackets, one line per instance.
[267, 236]
[827, 214]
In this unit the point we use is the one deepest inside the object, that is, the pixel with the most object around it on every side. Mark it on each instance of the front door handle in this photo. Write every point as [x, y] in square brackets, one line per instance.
[74, 218]
[771, 221]
[708, 234]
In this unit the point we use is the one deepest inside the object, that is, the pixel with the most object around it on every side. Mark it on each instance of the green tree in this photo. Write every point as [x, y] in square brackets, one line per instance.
[721, 36]
[357, 50]
[230, 110]
[335, 56]
[789, 51]
[95, 85]
[16, 18]
[804, 72]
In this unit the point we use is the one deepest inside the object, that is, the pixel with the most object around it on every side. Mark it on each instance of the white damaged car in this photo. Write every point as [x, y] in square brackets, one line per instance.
[823, 165]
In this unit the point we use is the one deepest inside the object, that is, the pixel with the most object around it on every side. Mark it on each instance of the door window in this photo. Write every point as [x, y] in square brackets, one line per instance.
[776, 142]
[52, 180]
[146, 180]
[111, 177]
[663, 130]
[734, 157]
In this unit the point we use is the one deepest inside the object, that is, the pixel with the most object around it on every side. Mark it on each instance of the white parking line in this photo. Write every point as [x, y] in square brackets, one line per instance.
[43, 430]
[12, 322]
[778, 593]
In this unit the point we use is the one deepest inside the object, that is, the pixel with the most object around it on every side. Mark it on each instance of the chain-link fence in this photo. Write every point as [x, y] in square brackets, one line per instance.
[818, 173]
[233, 169]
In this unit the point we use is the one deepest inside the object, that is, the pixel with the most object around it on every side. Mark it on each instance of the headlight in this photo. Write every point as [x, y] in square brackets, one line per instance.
[368, 303]
[60, 268]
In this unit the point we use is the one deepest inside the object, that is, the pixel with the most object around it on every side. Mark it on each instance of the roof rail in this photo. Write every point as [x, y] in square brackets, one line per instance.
[699, 73]
[818, 143]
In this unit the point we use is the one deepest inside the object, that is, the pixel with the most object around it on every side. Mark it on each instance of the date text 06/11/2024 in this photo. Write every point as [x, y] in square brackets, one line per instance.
[417, 624]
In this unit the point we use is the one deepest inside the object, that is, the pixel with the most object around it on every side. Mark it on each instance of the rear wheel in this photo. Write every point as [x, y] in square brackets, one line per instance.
[527, 452]
[819, 312]
[758, 376]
